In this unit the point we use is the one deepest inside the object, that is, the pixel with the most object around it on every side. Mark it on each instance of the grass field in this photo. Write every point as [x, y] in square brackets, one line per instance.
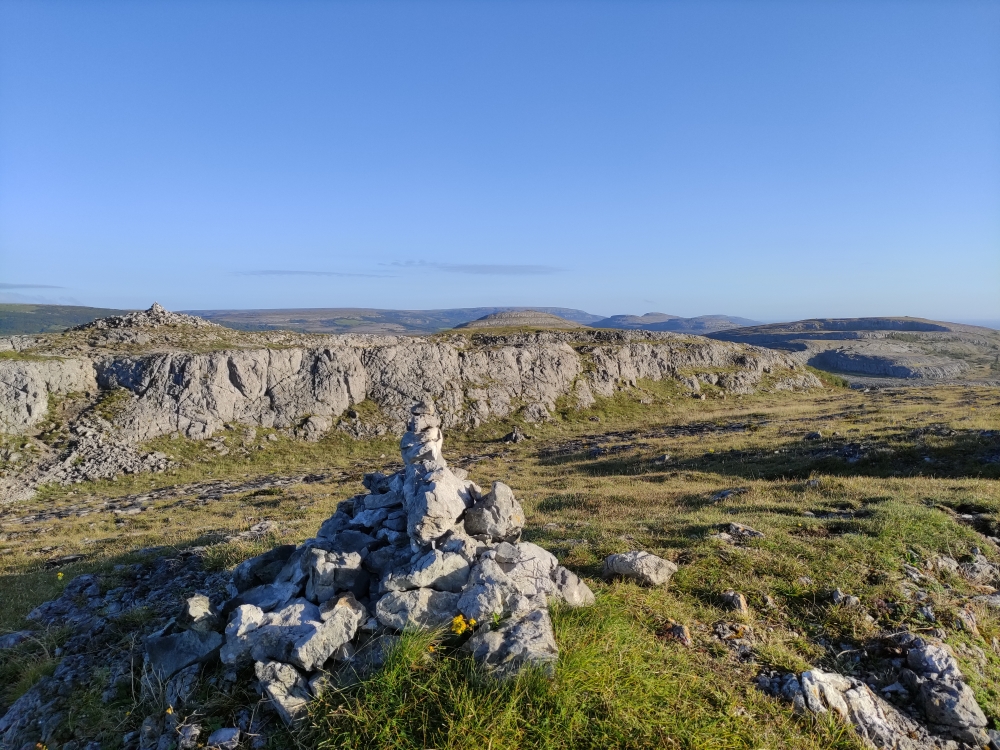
[884, 487]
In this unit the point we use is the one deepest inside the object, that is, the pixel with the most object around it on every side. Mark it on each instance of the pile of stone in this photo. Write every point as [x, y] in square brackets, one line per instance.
[424, 548]
[941, 709]
[156, 316]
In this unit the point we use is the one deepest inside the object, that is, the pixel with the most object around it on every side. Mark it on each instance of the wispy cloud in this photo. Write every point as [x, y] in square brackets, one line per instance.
[481, 269]
[30, 286]
[288, 272]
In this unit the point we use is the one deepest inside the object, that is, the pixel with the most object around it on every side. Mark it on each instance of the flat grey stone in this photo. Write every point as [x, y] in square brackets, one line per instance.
[267, 597]
[224, 739]
[169, 654]
[424, 608]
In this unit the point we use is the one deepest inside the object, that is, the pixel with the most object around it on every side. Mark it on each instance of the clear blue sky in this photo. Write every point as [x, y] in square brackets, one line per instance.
[775, 160]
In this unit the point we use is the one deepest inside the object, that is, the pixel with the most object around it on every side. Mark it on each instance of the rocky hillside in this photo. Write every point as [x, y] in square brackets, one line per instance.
[157, 373]
[899, 348]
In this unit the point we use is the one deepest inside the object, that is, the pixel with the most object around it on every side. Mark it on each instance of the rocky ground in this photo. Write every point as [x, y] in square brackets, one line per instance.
[828, 560]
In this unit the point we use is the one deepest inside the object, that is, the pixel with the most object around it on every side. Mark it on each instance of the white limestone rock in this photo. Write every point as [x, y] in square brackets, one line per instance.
[423, 608]
[443, 571]
[491, 593]
[647, 569]
[286, 688]
[571, 589]
[518, 643]
[498, 515]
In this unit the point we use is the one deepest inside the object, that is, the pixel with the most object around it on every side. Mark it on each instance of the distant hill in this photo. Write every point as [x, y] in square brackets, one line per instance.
[899, 348]
[22, 319]
[655, 321]
[369, 320]
[515, 318]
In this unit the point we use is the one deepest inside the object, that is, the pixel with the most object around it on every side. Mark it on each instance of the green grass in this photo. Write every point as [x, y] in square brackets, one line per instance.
[617, 685]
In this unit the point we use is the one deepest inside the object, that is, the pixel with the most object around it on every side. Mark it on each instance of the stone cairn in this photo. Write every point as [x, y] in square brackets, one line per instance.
[425, 548]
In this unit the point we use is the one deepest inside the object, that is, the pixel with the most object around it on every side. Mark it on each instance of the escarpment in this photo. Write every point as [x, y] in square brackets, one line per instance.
[134, 385]
[195, 394]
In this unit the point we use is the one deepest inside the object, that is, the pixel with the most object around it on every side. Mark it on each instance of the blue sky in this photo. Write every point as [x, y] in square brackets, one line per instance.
[774, 160]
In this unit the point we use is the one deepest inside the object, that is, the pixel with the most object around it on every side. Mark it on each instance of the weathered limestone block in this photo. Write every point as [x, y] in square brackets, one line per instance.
[169, 654]
[287, 689]
[423, 608]
[647, 569]
[571, 589]
[443, 571]
[497, 515]
[519, 643]
[490, 592]
[332, 572]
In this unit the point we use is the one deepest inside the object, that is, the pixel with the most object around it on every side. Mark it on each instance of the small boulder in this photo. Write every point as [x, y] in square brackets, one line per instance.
[169, 654]
[286, 688]
[224, 739]
[497, 515]
[817, 435]
[572, 589]
[735, 601]
[519, 643]
[647, 569]
[198, 614]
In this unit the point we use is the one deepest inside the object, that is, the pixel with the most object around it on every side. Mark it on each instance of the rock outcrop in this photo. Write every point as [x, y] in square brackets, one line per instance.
[310, 389]
[930, 682]
[26, 384]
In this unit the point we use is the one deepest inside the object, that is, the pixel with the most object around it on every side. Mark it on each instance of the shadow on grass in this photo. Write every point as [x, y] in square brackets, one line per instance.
[966, 454]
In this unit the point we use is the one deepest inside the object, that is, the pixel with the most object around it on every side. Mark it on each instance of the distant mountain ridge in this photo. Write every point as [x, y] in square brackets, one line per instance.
[370, 320]
[656, 321]
[29, 319]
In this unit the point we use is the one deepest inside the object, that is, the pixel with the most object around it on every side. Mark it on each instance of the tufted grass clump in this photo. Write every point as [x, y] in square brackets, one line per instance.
[617, 685]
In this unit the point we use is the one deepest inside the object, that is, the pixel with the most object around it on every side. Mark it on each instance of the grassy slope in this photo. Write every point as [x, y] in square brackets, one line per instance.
[619, 683]
[21, 319]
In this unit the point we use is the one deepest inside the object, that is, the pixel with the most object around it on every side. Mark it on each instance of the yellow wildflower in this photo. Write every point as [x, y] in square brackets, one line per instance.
[170, 710]
[59, 575]
[459, 624]
[431, 648]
